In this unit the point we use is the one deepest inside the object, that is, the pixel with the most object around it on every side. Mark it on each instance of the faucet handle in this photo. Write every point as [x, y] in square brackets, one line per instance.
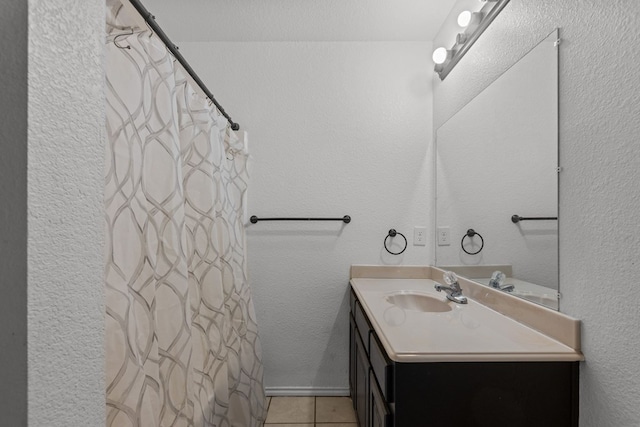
[450, 278]
[497, 279]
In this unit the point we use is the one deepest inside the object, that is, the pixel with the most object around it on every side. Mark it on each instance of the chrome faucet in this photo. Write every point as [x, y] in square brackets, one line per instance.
[454, 292]
[497, 280]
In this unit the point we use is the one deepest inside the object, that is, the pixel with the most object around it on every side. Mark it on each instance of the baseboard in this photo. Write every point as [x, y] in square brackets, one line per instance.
[307, 391]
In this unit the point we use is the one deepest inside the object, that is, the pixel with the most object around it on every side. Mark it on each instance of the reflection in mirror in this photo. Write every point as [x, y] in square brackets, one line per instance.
[495, 158]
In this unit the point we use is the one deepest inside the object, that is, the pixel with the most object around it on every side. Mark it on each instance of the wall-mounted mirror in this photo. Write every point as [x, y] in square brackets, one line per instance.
[498, 158]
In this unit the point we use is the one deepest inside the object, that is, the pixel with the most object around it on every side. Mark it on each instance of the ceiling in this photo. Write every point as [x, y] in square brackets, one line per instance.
[300, 20]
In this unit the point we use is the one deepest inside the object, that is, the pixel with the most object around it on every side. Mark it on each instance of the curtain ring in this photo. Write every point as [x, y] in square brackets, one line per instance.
[470, 233]
[393, 233]
[115, 40]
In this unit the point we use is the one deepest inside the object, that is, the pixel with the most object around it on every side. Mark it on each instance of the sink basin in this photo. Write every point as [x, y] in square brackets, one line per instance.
[418, 302]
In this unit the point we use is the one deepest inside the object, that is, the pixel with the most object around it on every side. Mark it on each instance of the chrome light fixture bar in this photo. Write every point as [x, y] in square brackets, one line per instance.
[477, 22]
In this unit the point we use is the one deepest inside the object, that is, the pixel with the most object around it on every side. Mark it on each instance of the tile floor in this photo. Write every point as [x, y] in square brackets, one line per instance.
[310, 412]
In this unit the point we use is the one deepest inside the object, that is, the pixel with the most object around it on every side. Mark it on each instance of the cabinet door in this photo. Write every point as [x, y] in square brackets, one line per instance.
[362, 383]
[352, 359]
[382, 367]
[378, 412]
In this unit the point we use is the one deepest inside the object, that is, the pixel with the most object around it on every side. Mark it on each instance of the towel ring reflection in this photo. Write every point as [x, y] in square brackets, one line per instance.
[393, 233]
[470, 233]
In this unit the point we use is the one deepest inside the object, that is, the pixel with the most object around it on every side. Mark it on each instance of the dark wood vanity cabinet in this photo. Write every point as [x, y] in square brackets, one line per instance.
[360, 390]
[455, 394]
[367, 367]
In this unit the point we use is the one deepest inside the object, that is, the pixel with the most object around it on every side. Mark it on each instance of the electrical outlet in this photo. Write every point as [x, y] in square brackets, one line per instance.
[419, 236]
[444, 236]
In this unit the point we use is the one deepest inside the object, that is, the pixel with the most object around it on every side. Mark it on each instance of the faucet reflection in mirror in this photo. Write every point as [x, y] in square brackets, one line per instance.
[496, 156]
[474, 24]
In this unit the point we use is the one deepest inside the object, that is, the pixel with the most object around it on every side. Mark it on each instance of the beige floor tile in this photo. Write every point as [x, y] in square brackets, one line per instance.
[291, 410]
[298, 425]
[334, 410]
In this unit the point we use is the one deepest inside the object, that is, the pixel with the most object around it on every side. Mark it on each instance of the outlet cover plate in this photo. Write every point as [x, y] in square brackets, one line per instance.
[419, 236]
[444, 236]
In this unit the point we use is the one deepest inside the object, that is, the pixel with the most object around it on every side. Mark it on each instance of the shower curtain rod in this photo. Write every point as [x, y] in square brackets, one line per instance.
[151, 21]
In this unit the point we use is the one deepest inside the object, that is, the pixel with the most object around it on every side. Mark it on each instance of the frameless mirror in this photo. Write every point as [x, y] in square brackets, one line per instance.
[497, 182]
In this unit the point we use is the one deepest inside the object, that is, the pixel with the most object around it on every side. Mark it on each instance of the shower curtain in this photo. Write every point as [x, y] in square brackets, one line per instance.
[182, 344]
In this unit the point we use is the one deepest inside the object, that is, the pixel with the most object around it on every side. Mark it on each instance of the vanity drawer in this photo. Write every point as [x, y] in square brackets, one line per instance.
[363, 326]
[382, 367]
[352, 301]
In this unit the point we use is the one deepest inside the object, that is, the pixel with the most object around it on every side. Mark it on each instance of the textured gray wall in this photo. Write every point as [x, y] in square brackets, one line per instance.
[13, 213]
[599, 196]
[65, 213]
[318, 152]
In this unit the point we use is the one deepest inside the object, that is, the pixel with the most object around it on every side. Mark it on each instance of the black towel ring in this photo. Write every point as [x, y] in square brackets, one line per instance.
[470, 233]
[393, 233]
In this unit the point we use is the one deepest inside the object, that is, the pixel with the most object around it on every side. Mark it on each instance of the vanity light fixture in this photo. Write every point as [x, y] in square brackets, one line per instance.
[474, 24]
[440, 55]
[464, 18]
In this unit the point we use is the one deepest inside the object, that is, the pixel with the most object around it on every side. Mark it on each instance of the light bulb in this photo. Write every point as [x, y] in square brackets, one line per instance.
[440, 55]
[464, 18]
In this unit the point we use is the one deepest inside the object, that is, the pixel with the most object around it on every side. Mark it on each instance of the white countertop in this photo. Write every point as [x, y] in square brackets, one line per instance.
[468, 333]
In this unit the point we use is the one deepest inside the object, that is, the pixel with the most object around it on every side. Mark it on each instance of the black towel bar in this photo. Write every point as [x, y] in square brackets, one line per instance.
[517, 218]
[346, 219]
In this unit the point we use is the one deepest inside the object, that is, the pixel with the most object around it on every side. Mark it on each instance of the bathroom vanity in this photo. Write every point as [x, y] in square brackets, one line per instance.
[417, 359]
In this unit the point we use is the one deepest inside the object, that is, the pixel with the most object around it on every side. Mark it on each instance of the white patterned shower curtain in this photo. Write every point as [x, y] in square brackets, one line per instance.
[181, 337]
